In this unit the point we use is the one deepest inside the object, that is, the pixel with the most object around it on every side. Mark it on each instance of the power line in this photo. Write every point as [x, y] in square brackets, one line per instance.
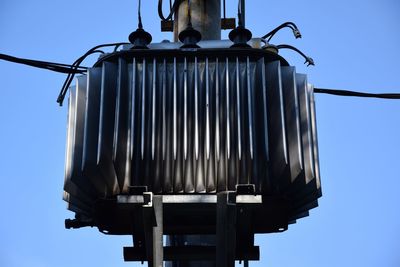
[75, 68]
[53, 66]
[356, 94]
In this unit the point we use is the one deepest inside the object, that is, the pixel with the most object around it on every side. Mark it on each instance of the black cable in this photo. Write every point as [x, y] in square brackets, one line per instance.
[240, 21]
[171, 11]
[288, 24]
[76, 65]
[189, 14]
[53, 66]
[356, 94]
[224, 4]
[71, 76]
[308, 59]
[140, 25]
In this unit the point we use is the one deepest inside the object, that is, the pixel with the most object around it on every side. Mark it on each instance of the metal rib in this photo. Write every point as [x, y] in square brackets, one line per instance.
[106, 126]
[153, 124]
[307, 133]
[314, 134]
[175, 113]
[217, 106]
[133, 106]
[228, 137]
[185, 117]
[207, 112]
[282, 116]
[91, 130]
[296, 99]
[276, 123]
[117, 117]
[143, 107]
[164, 120]
[238, 109]
[129, 141]
[76, 186]
[70, 130]
[196, 111]
[121, 145]
[292, 123]
[250, 107]
[265, 118]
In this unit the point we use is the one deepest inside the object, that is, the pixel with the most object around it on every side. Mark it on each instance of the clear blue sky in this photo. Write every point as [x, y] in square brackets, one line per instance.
[355, 45]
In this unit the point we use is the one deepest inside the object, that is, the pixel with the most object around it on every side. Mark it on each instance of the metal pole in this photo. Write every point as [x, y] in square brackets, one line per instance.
[205, 17]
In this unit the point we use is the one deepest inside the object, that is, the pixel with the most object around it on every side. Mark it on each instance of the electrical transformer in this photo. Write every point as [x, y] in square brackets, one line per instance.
[213, 138]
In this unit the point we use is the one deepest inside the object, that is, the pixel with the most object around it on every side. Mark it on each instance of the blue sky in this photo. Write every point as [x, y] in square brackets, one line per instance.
[355, 45]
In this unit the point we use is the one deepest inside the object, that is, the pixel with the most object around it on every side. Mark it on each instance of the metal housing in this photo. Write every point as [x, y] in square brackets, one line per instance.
[189, 142]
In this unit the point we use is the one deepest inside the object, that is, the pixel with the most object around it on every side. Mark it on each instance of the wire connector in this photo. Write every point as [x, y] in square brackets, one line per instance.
[291, 25]
[308, 60]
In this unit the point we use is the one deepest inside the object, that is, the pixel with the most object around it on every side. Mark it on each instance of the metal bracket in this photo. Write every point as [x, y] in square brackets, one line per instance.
[149, 245]
[167, 25]
[232, 208]
[228, 23]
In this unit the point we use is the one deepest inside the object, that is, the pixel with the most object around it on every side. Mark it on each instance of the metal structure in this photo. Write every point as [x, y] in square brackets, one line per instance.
[209, 142]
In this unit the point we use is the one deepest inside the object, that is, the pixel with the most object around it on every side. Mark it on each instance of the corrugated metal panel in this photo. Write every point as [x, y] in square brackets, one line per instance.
[292, 123]
[191, 125]
[77, 186]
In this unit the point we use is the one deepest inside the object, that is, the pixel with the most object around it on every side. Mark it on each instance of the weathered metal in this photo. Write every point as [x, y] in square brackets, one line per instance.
[208, 144]
[205, 17]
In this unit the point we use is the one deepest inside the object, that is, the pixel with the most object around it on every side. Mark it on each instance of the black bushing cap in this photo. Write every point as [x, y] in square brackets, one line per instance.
[189, 37]
[140, 39]
[240, 36]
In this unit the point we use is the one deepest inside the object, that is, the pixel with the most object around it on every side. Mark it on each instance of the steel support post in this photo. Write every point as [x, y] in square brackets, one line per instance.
[226, 229]
[158, 255]
[153, 229]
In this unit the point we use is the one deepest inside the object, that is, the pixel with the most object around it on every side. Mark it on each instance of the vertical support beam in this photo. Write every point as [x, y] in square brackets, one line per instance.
[158, 255]
[148, 223]
[226, 229]
[245, 234]
[153, 229]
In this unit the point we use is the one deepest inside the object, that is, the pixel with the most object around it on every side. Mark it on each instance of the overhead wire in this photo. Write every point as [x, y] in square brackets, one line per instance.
[52, 66]
[75, 68]
[356, 94]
